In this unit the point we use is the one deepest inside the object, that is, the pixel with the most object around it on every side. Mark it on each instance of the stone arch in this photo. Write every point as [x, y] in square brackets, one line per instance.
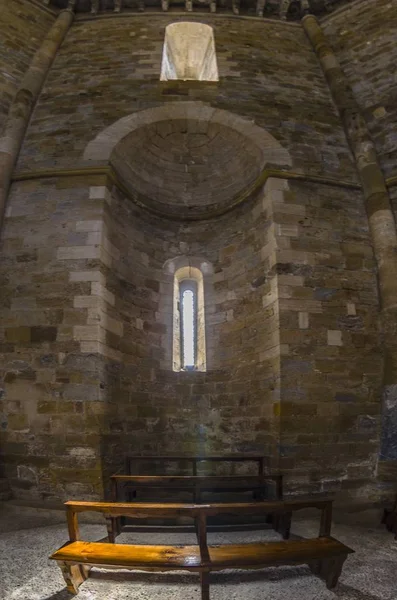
[102, 146]
[188, 160]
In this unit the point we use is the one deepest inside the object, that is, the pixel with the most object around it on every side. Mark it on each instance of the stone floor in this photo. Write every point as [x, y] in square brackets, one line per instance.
[27, 574]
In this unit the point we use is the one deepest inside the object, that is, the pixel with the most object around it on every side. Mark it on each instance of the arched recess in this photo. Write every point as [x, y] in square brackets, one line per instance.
[187, 160]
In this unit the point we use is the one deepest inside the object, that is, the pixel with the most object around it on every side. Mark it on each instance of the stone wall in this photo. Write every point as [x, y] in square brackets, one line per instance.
[120, 74]
[293, 362]
[229, 408]
[23, 27]
[49, 435]
[331, 359]
[85, 336]
[364, 40]
[291, 312]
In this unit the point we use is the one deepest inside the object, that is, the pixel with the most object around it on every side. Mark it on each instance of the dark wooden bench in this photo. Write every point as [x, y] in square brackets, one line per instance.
[193, 462]
[390, 519]
[324, 555]
[196, 483]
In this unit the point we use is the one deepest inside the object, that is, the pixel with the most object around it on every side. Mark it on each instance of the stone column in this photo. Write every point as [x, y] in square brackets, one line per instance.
[21, 109]
[380, 217]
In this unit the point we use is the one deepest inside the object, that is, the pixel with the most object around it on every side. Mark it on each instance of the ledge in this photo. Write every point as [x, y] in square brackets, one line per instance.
[208, 212]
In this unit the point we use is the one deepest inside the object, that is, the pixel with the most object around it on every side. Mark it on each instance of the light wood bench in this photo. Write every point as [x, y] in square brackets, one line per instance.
[280, 512]
[324, 555]
[196, 485]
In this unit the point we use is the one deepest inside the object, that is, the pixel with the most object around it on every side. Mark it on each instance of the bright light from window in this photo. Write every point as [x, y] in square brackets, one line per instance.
[189, 52]
[188, 328]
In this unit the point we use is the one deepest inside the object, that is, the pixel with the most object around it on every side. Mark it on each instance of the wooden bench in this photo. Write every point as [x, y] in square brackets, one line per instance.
[192, 462]
[324, 555]
[279, 511]
[196, 483]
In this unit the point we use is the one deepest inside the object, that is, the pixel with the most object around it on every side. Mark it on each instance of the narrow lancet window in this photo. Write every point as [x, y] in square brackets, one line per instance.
[189, 52]
[188, 306]
[189, 324]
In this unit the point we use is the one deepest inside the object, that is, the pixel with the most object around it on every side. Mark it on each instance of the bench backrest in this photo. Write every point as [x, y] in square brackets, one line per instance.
[199, 512]
[196, 483]
[193, 461]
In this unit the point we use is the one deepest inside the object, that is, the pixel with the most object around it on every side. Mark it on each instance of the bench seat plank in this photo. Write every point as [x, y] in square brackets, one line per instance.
[203, 458]
[126, 555]
[143, 509]
[191, 482]
[240, 556]
[204, 479]
[272, 553]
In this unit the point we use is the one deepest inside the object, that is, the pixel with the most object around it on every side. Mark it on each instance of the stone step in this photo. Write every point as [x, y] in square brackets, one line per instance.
[5, 490]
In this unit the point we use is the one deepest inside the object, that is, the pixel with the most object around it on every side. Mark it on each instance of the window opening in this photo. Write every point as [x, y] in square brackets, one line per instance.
[188, 304]
[189, 52]
[189, 321]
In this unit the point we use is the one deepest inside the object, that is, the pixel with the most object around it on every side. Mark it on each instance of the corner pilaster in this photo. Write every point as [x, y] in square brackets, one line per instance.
[25, 99]
[381, 223]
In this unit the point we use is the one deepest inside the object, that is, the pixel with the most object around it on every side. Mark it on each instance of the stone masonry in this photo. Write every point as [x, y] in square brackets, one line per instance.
[23, 30]
[276, 216]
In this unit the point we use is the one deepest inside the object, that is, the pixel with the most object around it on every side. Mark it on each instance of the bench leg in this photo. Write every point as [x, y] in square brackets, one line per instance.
[315, 567]
[269, 519]
[74, 575]
[111, 526]
[205, 585]
[275, 521]
[334, 571]
[286, 525]
[282, 524]
[390, 520]
[259, 495]
[119, 525]
[328, 569]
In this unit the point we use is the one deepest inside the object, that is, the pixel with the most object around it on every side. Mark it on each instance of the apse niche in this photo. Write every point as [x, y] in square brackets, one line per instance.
[187, 160]
[190, 227]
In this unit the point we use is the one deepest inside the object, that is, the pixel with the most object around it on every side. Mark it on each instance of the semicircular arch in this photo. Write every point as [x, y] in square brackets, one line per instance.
[188, 159]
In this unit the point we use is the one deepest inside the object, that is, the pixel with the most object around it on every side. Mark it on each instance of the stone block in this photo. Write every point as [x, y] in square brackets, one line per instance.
[18, 422]
[303, 320]
[89, 333]
[87, 302]
[47, 406]
[43, 334]
[18, 334]
[87, 276]
[78, 252]
[97, 289]
[334, 338]
[90, 226]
